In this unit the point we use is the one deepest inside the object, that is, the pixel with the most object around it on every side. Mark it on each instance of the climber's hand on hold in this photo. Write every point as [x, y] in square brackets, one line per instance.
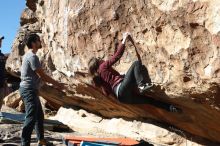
[125, 36]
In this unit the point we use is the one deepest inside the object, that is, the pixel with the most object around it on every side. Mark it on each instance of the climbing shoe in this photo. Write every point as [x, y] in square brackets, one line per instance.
[174, 109]
[43, 142]
[145, 87]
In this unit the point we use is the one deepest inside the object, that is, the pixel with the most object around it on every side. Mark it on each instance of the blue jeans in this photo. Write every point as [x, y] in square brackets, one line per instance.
[34, 115]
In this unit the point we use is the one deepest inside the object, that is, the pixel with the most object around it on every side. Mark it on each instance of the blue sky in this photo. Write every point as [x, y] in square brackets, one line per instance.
[10, 12]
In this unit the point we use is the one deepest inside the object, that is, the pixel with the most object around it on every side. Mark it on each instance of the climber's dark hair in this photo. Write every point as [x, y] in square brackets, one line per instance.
[31, 38]
[93, 66]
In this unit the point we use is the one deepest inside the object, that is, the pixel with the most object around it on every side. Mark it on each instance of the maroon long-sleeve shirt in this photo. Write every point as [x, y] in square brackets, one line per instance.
[109, 75]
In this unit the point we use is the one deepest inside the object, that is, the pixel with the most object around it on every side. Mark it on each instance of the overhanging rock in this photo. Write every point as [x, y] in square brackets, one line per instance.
[178, 42]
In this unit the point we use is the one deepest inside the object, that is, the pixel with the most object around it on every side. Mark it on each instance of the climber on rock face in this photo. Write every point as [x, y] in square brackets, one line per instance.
[111, 82]
[31, 74]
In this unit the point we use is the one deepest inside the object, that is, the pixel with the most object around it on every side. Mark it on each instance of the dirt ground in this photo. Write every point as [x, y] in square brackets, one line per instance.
[10, 133]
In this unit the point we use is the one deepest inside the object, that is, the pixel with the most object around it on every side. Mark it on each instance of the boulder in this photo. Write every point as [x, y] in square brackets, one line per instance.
[178, 42]
[12, 100]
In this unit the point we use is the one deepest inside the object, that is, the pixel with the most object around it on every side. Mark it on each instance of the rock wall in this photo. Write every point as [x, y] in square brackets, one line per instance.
[178, 41]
